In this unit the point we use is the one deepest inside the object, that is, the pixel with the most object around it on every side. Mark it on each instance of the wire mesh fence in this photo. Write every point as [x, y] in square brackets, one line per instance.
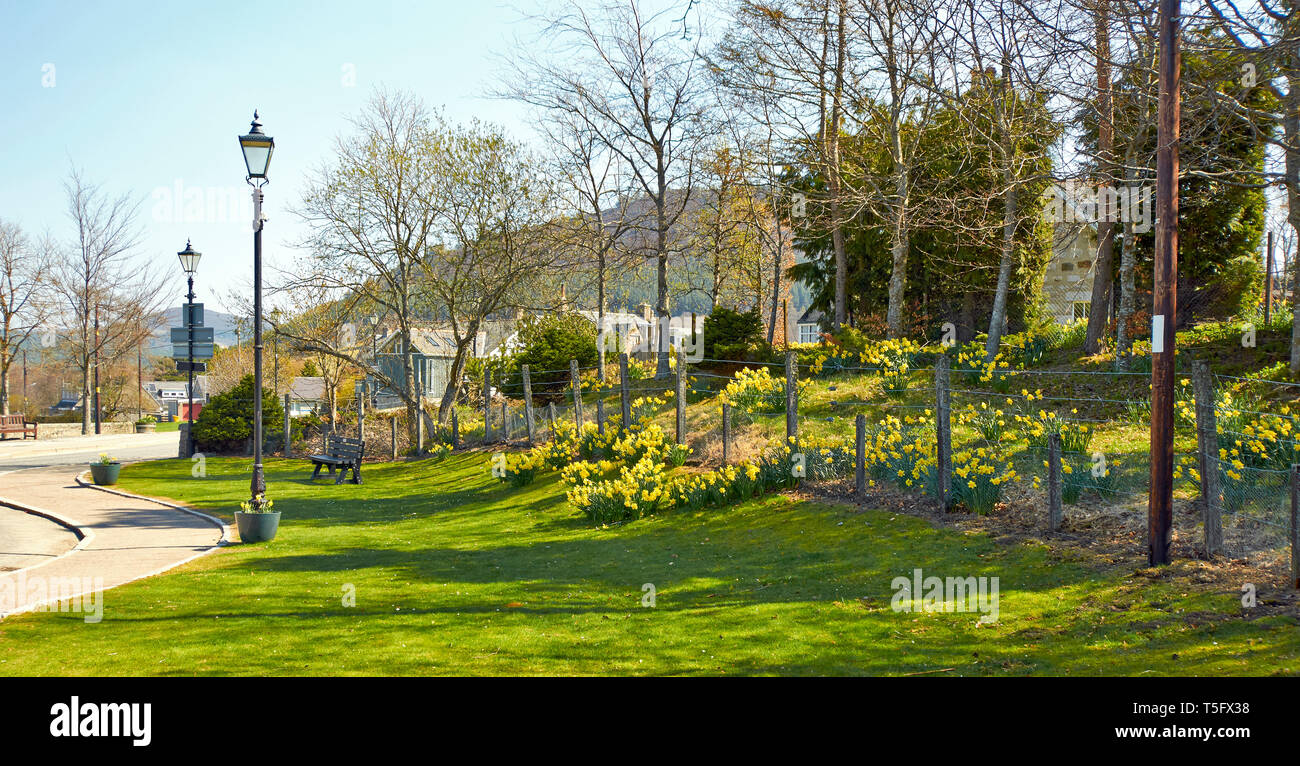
[1077, 439]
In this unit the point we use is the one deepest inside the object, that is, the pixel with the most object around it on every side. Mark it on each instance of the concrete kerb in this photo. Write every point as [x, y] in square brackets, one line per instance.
[84, 536]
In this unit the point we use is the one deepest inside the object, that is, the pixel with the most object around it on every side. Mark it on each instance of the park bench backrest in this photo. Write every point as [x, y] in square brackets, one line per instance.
[345, 448]
[11, 420]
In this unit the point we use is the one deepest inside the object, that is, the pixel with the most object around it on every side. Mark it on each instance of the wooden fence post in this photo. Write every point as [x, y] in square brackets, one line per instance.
[943, 429]
[528, 404]
[600, 416]
[624, 395]
[288, 428]
[455, 429]
[576, 383]
[1295, 526]
[860, 453]
[550, 418]
[791, 395]
[726, 433]
[681, 397]
[505, 421]
[1207, 442]
[487, 405]
[1053, 482]
[392, 435]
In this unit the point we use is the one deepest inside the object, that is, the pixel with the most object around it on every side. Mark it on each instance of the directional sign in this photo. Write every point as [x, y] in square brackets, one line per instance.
[201, 334]
[195, 312]
[201, 351]
[184, 366]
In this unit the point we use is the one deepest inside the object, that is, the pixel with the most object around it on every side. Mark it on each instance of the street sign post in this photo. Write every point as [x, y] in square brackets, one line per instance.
[181, 335]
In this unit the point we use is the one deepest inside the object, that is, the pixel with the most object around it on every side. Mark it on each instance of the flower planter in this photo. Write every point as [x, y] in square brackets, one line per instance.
[145, 428]
[257, 527]
[105, 473]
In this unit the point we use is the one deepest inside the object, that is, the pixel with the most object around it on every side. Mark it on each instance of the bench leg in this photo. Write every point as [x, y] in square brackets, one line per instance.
[343, 474]
[356, 473]
[316, 472]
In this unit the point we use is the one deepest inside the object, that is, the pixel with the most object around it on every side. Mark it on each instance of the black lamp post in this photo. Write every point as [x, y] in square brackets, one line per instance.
[257, 148]
[189, 264]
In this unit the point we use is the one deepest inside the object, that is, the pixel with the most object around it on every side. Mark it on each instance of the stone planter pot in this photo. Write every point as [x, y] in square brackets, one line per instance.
[105, 474]
[146, 428]
[257, 527]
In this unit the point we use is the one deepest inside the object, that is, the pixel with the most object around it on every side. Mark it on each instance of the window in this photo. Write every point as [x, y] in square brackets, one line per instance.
[1067, 267]
[808, 333]
[1085, 264]
[1081, 309]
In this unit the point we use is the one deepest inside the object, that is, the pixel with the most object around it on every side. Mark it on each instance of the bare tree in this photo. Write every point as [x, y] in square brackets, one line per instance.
[635, 82]
[95, 278]
[372, 218]
[24, 296]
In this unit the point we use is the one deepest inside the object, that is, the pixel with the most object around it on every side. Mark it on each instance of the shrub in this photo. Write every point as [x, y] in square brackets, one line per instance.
[226, 423]
[546, 344]
[731, 334]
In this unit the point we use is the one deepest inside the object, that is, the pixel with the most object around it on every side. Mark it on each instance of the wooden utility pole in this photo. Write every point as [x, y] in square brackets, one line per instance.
[1165, 299]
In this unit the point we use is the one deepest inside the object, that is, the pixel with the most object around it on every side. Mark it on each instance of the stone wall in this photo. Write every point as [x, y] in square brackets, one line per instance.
[63, 430]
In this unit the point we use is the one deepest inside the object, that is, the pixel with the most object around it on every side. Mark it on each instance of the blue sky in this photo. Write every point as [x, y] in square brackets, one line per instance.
[146, 96]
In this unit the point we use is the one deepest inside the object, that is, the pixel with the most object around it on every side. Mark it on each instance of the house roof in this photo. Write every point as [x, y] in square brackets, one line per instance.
[812, 316]
[430, 341]
[307, 388]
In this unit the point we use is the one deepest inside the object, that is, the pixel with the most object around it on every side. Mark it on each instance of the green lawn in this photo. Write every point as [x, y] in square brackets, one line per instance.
[456, 574]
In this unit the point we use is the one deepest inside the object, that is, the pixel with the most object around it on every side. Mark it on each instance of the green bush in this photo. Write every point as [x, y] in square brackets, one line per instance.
[732, 334]
[226, 422]
[546, 344]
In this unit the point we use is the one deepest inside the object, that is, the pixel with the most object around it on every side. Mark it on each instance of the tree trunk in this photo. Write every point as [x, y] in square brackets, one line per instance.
[1101, 267]
[86, 401]
[1127, 290]
[776, 284]
[836, 186]
[1291, 126]
[999, 318]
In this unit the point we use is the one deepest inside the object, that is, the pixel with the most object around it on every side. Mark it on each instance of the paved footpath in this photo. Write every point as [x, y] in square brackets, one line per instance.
[124, 538]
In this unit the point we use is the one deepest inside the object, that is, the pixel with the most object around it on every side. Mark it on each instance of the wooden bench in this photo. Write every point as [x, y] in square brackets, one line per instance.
[16, 424]
[341, 453]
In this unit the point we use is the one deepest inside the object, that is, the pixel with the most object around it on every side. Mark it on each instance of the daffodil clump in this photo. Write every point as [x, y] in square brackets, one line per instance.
[976, 370]
[989, 422]
[643, 408]
[727, 485]
[1080, 474]
[591, 444]
[756, 390]
[903, 451]
[978, 477]
[826, 458]
[647, 442]
[633, 493]
[521, 469]
[1037, 427]
[894, 359]
[1255, 450]
[581, 473]
[1254, 438]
